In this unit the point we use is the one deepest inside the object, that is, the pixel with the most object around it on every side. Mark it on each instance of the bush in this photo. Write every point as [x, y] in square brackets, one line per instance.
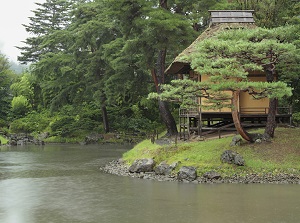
[296, 118]
[20, 105]
[63, 126]
[19, 125]
[72, 126]
[33, 122]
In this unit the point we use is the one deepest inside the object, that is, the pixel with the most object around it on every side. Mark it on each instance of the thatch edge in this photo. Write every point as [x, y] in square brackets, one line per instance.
[180, 61]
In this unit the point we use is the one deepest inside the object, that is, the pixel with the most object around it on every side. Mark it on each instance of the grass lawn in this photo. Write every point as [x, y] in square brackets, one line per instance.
[282, 155]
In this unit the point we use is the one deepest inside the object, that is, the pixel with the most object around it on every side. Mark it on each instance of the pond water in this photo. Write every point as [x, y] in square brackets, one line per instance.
[62, 183]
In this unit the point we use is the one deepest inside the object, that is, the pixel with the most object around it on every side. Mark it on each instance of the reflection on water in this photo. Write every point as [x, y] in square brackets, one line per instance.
[62, 183]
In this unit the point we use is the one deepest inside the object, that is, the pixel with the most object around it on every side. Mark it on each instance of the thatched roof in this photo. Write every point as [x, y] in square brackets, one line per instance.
[182, 66]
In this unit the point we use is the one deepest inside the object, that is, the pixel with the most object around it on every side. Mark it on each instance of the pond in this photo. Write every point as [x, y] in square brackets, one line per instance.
[62, 183]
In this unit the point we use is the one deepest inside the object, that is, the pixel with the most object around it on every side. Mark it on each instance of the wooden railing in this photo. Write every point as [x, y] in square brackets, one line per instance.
[254, 110]
[248, 110]
[265, 110]
[188, 111]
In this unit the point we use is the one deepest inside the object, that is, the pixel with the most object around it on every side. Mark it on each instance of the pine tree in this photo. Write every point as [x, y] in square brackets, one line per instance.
[49, 17]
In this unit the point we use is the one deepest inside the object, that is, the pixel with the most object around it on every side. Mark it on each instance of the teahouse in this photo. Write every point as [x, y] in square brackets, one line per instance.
[252, 112]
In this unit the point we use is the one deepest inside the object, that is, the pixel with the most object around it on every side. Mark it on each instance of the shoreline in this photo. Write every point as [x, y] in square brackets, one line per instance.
[117, 167]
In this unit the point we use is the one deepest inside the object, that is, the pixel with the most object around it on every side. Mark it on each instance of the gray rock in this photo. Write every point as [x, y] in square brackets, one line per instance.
[174, 165]
[212, 175]
[93, 138]
[43, 135]
[239, 160]
[187, 173]
[228, 156]
[164, 169]
[231, 157]
[236, 141]
[259, 138]
[142, 165]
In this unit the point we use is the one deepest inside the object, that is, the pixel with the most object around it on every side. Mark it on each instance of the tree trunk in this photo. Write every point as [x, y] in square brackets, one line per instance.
[236, 119]
[104, 113]
[105, 118]
[158, 76]
[271, 119]
[167, 118]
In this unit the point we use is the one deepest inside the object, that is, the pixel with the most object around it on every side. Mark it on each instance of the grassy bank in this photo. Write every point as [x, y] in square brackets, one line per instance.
[282, 155]
[3, 140]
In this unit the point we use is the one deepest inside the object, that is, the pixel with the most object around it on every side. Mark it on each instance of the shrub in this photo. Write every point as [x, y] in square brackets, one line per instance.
[33, 122]
[63, 126]
[296, 118]
[20, 105]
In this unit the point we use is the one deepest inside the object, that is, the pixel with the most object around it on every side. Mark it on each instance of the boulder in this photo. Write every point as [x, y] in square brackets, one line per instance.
[187, 173]
[236, 141]
[164, 169]
[228, 156]
[142, 165]
[231, 157]
[259, 138]
[93, 138]
[212, 175]
[239, 160]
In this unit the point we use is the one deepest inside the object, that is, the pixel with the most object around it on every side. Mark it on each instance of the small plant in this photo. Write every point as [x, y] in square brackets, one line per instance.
[296, 118]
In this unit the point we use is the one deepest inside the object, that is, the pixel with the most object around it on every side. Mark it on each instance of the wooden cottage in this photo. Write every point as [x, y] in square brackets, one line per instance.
[252, 112]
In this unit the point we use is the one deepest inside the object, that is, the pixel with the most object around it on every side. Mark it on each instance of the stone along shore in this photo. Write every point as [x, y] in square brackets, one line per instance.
[189, 175]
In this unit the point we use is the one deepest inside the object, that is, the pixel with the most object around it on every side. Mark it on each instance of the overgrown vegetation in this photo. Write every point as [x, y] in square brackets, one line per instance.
[282, 155]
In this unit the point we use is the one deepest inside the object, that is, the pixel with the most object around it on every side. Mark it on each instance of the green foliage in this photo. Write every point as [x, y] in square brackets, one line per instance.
[271, 13]
[89, 55]
[68, 126]
[6, 77]
[63, 126]
[20, 106]
[49, 17]
[32, 122]
[296, 118]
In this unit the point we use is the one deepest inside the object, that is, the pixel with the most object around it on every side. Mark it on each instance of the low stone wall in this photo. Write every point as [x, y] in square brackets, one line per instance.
[23, 139]
[117, 167]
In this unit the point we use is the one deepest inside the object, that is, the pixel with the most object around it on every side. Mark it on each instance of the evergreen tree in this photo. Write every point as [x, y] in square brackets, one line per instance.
[151, 29]
[6, 78]
[271, 13]
[49, 17]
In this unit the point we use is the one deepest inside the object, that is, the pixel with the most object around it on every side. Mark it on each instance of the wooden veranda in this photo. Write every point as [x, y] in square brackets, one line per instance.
[194, 122]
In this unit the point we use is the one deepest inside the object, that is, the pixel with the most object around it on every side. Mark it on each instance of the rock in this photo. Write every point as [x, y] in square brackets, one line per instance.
[23, 139]
[212, 175]
[259, 138]
[164, 169]
[228, 156]
[239, 160]
[43, 135]
[93, 138]
[231, 157]
[258, 141]
[236, 141]
[187, 173]
[174, 165]
[142, 165]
